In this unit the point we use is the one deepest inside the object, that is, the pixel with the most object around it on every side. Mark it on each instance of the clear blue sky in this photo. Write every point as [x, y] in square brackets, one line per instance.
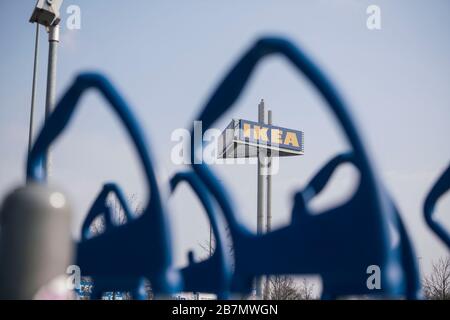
[166, 56]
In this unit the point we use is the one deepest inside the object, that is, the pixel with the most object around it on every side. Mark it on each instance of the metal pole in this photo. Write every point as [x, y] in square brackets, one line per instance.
[269, 203]
[53, 39]
[33, 88]
[261, 183]
[269, 183]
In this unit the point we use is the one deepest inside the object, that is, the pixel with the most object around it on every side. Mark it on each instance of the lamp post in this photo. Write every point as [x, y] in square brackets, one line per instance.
[46, 13]
[50, 100]
[33, 88]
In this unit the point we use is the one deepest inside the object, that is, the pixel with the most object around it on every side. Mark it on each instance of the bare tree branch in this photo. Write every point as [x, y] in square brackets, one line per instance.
[98, 227]
[436, 286]
[284, 287]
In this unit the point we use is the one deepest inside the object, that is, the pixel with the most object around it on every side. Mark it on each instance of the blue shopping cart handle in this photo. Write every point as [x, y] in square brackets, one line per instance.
[209, 276]
[347, 237]
[100, 207]
[212, 275]
[441, 186]
[235, 81]
[141, 248]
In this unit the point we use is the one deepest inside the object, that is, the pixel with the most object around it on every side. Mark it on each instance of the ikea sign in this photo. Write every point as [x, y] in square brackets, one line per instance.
[242, 138]
[263, 134]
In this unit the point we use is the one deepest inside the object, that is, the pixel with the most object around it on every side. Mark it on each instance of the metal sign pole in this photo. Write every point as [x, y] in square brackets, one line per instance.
[269, 203]
[269, 183]
[245, 139]
[261, 186]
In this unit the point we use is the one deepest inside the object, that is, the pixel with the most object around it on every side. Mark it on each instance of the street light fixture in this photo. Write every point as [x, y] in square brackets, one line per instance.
[46, 12]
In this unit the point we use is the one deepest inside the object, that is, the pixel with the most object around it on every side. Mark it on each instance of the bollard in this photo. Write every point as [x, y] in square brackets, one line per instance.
[35, 240]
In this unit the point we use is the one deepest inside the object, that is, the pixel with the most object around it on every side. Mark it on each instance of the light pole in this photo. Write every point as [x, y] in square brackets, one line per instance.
[33, 88]
[46, 13]
[50, 99]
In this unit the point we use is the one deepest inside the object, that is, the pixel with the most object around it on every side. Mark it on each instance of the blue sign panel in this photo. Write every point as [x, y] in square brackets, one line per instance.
[270, 136]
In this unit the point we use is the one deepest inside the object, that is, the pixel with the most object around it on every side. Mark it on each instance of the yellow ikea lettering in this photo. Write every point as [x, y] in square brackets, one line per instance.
[276, 136]
[247, 129]
[291, 138]
[260, 133]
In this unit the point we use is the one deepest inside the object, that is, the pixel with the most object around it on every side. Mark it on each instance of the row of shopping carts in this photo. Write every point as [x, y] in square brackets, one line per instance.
[338, 244]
